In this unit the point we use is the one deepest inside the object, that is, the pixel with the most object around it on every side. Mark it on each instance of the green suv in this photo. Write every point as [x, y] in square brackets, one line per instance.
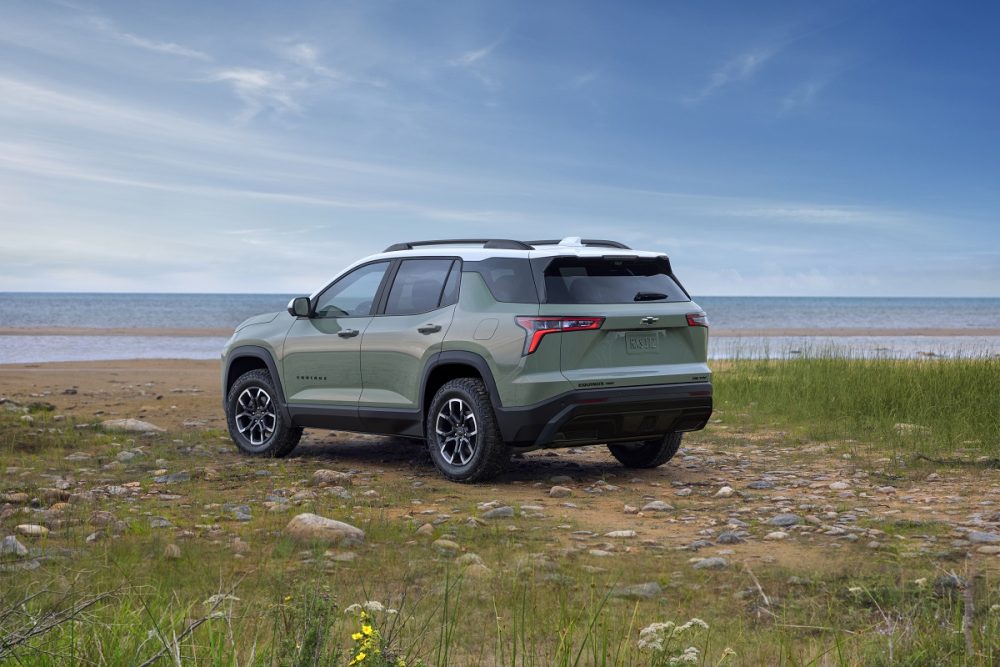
[481, 348]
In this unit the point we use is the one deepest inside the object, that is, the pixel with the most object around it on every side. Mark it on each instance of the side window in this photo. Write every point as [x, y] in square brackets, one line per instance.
[508, 279]
[450, 294]
[354, 294]
[417, 287]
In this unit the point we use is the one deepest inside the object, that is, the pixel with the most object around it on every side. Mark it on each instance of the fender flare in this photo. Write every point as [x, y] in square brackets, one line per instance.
[258, 352]
[460, 357]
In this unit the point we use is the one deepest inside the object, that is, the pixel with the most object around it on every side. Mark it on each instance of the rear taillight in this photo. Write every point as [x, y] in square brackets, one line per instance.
[537, 327]
[697, 319]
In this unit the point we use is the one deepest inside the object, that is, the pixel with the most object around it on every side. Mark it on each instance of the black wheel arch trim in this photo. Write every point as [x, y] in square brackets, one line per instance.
[257, 352]
[460, 357]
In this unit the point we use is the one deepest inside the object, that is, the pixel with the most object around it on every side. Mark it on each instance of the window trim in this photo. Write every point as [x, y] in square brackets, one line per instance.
[314, 302]
[383, 299]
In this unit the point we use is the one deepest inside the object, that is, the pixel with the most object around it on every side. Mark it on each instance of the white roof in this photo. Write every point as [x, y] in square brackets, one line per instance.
[472, 252]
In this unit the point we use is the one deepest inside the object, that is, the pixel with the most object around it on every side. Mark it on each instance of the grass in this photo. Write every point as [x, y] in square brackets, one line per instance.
[541, 603]
[934, 407]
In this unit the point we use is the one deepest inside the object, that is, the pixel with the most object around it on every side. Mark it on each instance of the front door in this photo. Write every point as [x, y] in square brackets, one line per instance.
[322, 360]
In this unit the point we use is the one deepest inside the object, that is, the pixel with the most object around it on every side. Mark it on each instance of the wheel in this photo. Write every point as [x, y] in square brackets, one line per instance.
[648, 453]
[255, 422]
[462, 434]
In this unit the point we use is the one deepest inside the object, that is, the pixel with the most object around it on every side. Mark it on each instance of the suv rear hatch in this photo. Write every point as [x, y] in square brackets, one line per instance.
[651, 333]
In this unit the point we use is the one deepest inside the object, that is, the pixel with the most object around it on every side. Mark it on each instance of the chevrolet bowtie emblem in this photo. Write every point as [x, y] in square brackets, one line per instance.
[650, 320]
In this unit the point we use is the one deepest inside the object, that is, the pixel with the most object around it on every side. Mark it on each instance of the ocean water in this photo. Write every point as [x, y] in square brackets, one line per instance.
[225, 311]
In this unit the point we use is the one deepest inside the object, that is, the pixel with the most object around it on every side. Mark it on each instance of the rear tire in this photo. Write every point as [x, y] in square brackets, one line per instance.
[648, 453]
[462, 434]
[255, 418]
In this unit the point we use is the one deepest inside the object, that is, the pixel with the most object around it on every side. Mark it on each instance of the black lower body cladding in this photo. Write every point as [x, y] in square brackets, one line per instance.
[620, 414]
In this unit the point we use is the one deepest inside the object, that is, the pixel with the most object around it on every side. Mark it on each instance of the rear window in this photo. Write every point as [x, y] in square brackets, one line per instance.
[610, 280]
[508, 279]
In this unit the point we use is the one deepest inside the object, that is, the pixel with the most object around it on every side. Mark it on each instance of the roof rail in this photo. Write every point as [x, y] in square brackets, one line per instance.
[489, 244]
[586, 242]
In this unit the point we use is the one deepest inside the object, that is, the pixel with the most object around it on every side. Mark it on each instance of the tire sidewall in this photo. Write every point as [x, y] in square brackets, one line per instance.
[484, 424]
[246, 381]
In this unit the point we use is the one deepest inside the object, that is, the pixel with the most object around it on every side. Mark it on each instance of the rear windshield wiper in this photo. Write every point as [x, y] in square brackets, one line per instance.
[649, 296]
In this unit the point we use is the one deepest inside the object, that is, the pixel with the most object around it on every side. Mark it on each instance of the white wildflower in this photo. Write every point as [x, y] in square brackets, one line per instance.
[688, 657]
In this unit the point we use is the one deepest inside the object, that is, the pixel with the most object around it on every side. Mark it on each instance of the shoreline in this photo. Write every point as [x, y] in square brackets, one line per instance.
[221, 332]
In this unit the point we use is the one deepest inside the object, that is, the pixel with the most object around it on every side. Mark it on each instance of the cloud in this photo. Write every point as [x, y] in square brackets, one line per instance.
[470, 58]
[802, 96]
[108, 28]
[741, 68]
[260, 90]
[307, 56]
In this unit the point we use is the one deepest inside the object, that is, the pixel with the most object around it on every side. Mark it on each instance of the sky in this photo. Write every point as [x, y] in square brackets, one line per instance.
[769, 148]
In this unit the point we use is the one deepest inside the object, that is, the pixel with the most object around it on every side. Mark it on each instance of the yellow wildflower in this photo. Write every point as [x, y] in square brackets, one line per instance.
[357, 636]
[367, 629]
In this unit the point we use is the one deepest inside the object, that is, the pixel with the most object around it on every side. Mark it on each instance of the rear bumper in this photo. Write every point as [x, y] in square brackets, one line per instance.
[591, 416]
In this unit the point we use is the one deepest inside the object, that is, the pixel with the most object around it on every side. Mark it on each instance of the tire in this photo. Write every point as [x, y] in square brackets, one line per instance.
[462, 435]
[648, 453]
[254, 417]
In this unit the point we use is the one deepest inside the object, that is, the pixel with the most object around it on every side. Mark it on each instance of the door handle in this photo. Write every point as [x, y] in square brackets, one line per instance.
[348, 333]
[429, 328]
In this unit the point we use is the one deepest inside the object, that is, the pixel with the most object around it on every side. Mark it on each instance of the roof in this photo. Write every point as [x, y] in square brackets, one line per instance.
[479, 249]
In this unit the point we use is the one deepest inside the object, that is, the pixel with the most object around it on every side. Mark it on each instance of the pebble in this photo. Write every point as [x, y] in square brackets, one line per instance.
[425, 530]
[159, 522]
[784, 520]
[31, 530]
[629, 509]
[645, 591]
[173, 478]
[312, 527]
[729, 537]
[560, 492]
[331, 478]
[504, 512]
[686, 491]
[776, 535]
[621, 534]
[657, 506]
[713, 563]
[445, 545]
[724, 492]
[10, 547]
[982, 538]
[760, 485]
[839, 486]
[131, 426]
[989, 549]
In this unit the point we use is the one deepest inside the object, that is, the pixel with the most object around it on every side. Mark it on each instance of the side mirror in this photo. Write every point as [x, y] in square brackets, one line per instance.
[299, 307]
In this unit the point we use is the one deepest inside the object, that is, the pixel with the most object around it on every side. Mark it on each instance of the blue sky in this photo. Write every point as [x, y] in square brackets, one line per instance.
[771, 148]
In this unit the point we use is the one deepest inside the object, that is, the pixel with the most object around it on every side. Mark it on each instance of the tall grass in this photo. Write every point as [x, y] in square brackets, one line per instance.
[937, 406]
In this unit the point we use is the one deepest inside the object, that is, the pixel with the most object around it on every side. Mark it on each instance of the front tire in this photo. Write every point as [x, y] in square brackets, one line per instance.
[254, 417]
[648, 453]
[462, 434]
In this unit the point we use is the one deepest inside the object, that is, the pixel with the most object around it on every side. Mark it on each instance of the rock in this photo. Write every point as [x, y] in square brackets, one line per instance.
[238, 512]
[560, 492]
[445, 545]
[31, 530]
[686, 491]
[173, 478]
[724, 492]
[776, 535]
[989, 549]
[714, 563]
[599, 553]
[504, 512]
[784, 520]
[760, 485]
[839, 486]
[10, 547]
[426, 530]
[982, 538]
[15, 498]
[729, 537]
[125, 456]
[312, 527]
[171, 552]
[948, 585]
[629, 509]
[621, 534]
[130, 425]
[331, 478]
[159, 522]
[657, 506]
[646, 591]
[885, 489]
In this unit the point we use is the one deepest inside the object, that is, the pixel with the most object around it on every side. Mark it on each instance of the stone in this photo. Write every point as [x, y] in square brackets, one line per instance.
[131, 426]
[504, 512]
[31, 530]
[171, 552]
[760, 485]
[621, 534]
[125, 456]
[885, 489]
[646, 591]
[980, 537]
[657, 506]
[445, 545]
[331, 478]
[173, 478]
[839, 486]
[560, 492]
[159, 522]
[713, 563]
[314, 528]
[11, 548]
[724, 492]
[686, 491]
[989, 549]
[776, 535]
[729, 537]
[17, 498]
[784, 520]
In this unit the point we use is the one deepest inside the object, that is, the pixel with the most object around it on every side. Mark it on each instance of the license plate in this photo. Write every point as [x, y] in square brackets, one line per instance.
[641, 342]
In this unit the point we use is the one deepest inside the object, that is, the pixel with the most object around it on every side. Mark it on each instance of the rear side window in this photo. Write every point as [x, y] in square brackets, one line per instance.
[610, 280]
[418, 286]
[508, 279]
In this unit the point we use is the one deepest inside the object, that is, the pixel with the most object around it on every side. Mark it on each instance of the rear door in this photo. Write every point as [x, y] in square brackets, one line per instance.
[417, 311]
[646, 337]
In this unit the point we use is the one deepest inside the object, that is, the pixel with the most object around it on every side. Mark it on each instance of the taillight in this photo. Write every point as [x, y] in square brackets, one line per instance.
[537, 327]
[697, 319]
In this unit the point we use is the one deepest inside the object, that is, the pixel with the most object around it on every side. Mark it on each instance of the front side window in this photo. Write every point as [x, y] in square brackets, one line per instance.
[354, 294]
[418, 286]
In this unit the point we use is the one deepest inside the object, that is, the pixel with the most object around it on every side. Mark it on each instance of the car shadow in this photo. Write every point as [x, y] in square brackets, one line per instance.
[410, 457]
